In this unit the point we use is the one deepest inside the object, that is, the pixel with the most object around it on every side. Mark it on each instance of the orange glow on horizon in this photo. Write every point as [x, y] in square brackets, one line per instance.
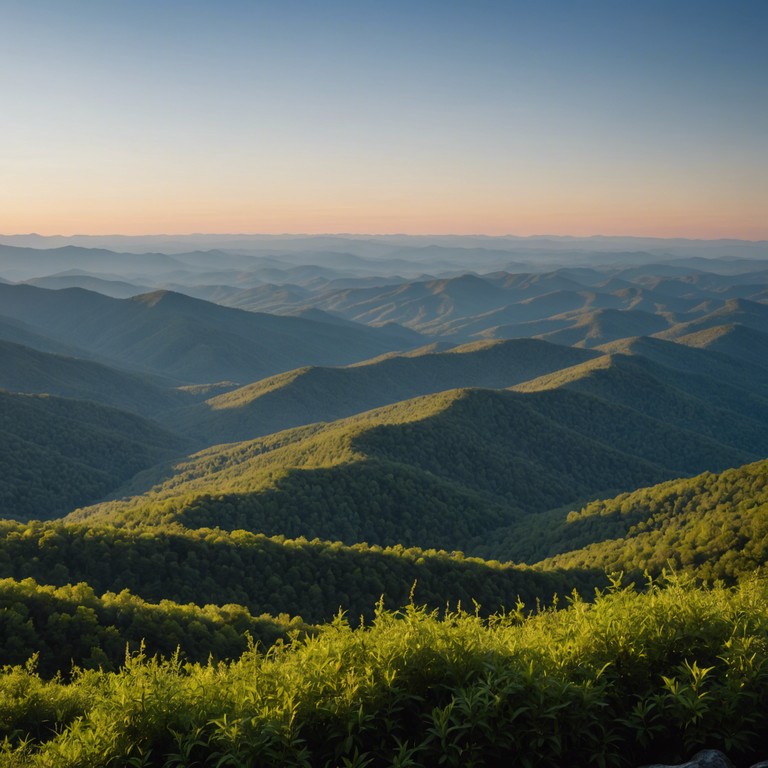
[130, 210]
[690, 227]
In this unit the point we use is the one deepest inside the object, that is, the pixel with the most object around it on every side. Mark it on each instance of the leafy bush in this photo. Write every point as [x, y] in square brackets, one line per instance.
[628, 678]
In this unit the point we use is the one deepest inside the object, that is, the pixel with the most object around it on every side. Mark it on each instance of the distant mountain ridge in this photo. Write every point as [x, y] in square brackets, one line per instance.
[749, 313]
[189, 339]
[27, 370]
[117, 289]
[325, 394]
[23, 263]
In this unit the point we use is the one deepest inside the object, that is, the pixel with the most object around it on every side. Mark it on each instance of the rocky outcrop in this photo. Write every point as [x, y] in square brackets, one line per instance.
[707, 758]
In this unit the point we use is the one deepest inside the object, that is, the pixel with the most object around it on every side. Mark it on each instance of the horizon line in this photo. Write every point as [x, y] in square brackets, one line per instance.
[392, 234]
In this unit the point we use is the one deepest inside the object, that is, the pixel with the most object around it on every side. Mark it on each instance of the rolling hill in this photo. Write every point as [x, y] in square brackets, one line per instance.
[325, 394]
[58, 453]
[728, 414]
[498, 305]
[189, 339]
[736, 370]
[747, 345]
[442, 470]
[590, 329]
[27, 370]
[748, 313]
[713, 525]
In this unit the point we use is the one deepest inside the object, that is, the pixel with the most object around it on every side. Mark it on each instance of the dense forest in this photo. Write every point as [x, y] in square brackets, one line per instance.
[713, 526]
[437, 471]
[59, 453]
[70, 627]
[313, 579]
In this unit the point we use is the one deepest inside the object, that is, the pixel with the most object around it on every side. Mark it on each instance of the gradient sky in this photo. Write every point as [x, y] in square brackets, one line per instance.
[646, 117]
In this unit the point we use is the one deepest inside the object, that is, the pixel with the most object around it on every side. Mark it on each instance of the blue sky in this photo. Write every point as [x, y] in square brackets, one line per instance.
[638, 117]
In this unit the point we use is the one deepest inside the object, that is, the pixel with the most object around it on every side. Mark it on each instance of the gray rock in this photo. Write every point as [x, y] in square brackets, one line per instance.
[707, 758]
[761, 764]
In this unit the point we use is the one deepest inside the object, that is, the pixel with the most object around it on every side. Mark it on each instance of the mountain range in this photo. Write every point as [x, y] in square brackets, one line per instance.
[189, 340]
[300, 424]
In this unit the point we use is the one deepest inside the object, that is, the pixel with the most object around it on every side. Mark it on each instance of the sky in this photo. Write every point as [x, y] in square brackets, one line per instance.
[581, 117]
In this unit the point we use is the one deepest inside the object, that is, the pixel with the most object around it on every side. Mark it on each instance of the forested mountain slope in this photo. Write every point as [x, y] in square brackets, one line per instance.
[58, 453]
[728, 414]
[27, 370]
[312, 579]
[740, 342]
[189, 339]
[746, 373]
[21, 333]
[440, 470]
[713, 525]
[316, 394]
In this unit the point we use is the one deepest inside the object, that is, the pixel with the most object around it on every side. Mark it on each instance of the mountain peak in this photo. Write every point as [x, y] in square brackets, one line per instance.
[168, 299]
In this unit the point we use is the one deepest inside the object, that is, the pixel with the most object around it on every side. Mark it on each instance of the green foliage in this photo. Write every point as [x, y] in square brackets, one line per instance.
[714, 526]
[312, 579]
[443, 470]
[377, 501]
[630, 678]
[57, 453]
[71, 625]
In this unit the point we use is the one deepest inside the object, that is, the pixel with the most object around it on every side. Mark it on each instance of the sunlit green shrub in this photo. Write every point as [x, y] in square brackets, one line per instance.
[627, 678]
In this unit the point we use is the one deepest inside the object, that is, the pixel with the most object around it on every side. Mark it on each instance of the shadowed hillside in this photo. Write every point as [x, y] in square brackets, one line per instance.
[192, 340]
[746, 374]
[594, 328]
[58, 453]
[326, 394]
[439, 470]
[26, 370]
[748, 313]
[740, 342]
[728, 414]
